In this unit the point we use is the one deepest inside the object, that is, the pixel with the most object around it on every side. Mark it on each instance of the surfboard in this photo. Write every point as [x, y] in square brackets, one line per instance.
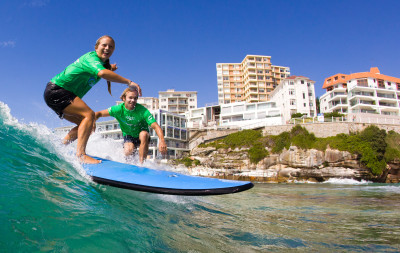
[132, 177]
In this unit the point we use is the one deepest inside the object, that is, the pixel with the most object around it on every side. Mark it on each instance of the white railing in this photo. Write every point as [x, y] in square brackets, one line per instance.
[355, 118]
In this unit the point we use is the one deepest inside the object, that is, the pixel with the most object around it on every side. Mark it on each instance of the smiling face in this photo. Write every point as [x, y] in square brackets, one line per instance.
[104, 47]
[130, 99]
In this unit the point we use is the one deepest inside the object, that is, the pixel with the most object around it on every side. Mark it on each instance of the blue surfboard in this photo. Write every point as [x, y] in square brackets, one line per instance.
[137, 178]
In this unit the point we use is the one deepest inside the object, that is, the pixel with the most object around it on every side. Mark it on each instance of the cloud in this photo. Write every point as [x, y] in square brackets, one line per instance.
[36, 3]
[9, 43]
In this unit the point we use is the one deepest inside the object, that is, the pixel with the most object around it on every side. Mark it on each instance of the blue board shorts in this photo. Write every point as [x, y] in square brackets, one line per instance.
[57, 98]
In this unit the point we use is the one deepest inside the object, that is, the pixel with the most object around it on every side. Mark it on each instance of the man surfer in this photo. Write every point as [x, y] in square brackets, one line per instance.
[134, 120]
[64, 92]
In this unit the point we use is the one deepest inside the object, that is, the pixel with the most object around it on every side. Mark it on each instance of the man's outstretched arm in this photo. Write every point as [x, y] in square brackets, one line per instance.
[162, 147]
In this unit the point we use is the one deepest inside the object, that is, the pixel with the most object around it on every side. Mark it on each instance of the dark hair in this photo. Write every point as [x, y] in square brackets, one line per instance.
[107, 65]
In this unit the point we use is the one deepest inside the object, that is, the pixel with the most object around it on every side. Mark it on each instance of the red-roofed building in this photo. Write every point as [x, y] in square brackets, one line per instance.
[363, 92]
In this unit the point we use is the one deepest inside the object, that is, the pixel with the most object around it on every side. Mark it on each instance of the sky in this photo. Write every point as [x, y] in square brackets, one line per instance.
[175, 44]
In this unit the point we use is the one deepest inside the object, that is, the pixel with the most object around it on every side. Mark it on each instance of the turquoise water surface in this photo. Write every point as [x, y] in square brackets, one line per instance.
[48, 205]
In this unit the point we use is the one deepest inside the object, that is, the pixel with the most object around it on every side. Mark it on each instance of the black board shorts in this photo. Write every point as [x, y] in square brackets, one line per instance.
[136, 141]
[57, 98]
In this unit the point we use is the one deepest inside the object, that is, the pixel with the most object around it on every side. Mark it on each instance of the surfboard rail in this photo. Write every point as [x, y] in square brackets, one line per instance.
[173, 191]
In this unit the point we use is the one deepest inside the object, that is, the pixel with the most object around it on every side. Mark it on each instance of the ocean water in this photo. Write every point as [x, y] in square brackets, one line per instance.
[47, 204]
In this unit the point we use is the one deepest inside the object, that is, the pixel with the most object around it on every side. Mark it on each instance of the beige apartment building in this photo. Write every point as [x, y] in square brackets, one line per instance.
[151, 103]
[177, 101]
[250, 81]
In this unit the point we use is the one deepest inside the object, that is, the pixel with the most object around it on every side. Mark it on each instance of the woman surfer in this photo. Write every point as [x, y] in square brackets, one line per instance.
[64, 92]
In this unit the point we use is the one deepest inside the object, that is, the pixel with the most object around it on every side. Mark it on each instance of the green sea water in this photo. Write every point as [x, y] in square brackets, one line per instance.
[47, 204]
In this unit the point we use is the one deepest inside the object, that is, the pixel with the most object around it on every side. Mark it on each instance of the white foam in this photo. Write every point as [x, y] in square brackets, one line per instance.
[384, 188]
[346, 181]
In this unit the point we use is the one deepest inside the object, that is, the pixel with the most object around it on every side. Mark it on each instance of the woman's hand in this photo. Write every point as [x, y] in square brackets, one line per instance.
[135, 86]
[114, 67]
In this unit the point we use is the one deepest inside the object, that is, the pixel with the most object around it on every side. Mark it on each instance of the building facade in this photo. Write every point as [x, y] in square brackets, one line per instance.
[296, 94]
[250, 81]
[150, 103]
[177, 101]
[363, 92]
[239, 114]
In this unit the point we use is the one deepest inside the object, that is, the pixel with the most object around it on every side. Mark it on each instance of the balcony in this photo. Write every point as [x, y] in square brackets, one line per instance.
[361, 94]
[388, 104]
[363, 105]
[388, 96]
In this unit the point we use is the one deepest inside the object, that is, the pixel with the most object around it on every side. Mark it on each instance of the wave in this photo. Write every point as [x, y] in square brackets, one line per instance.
[47, 203]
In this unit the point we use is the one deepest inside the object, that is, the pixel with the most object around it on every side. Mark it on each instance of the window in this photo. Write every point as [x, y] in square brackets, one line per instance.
[305, 105]
[302, 81]
[292, 101]
[304, 95]
[362, 82]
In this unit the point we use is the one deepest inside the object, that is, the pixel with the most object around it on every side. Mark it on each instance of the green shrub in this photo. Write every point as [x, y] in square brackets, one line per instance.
[333, 114]
[243, 138]
[392, 152]
[376, 138]
[297, 115]
[257, 152]
[302, 138]
[280, 142]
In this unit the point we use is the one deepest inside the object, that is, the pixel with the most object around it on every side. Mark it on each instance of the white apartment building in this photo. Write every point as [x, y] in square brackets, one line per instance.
[239, 114]
[173, 126]
[363, 92]
[177, 101]
[250, 81]
[296, 94]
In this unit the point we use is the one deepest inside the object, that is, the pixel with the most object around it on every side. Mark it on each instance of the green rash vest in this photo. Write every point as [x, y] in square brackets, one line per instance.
[134, 121]
[80, 76]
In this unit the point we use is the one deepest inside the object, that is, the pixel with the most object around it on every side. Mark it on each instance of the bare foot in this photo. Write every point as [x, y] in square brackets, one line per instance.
[89, 160]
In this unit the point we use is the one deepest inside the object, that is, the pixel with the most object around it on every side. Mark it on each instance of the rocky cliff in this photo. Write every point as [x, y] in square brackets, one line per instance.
[291, 165]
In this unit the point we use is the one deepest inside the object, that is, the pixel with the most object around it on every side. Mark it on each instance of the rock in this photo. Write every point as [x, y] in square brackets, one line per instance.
[294, 164]
[202, 151]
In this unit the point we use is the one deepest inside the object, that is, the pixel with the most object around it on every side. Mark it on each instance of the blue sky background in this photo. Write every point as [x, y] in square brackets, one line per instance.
[175, 44]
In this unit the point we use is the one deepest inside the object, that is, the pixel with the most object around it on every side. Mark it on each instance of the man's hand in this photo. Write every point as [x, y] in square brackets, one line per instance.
[162, 147]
